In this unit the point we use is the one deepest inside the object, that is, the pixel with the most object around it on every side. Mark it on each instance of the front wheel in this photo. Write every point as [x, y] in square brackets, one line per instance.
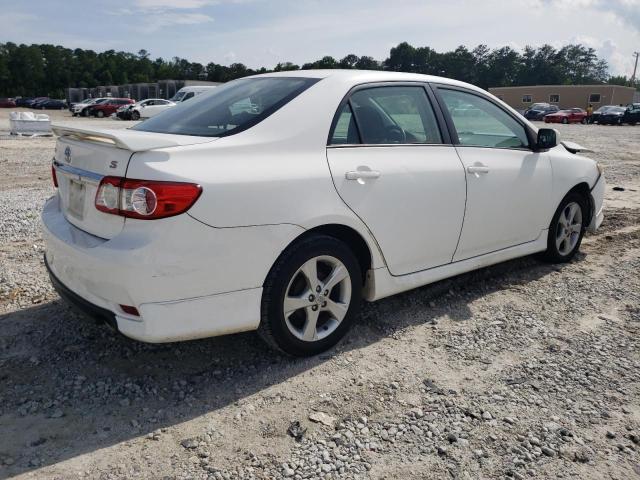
[135, 115]
[311, 297]
[565, 121]
[583, 121]
[99, 114]
[567, 229]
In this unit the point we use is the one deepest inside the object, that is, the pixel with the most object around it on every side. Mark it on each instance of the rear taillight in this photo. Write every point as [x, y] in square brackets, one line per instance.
[54, 177]
[145, 199]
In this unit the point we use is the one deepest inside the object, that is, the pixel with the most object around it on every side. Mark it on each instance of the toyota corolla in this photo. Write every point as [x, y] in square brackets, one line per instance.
[277, 202]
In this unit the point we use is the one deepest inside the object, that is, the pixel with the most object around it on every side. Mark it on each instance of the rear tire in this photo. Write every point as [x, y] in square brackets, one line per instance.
[311, 296]
[567, 229]
[583, 121]
[565, 121]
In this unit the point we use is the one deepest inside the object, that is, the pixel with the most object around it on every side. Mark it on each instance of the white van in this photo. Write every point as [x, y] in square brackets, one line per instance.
[182, 95]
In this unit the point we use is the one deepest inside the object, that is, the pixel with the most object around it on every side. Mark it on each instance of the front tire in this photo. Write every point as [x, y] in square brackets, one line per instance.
[567, 229]
[135, 115]
[311, 296]
[565, 121]
[99, 114]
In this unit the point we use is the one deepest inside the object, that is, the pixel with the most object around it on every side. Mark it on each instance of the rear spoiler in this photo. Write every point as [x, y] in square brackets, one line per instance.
[134, 141]
[574, 147]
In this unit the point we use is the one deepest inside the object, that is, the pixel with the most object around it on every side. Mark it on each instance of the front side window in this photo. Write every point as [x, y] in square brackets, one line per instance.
[490, 126]
[229, 109]
[388, 115]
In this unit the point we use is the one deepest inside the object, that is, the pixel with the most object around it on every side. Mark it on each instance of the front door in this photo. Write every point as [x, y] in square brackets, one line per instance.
[508, 184]
[391, 167]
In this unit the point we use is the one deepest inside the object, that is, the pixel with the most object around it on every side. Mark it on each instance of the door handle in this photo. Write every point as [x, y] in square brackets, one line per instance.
[477, 169]
[361, 174]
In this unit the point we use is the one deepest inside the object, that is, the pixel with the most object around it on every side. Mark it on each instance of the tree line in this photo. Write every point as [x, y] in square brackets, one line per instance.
[43, 69]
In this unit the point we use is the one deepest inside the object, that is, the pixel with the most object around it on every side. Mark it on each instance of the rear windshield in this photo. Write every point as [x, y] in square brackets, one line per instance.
[229, 109]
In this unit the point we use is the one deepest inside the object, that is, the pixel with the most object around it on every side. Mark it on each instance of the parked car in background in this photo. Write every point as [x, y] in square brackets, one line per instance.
[572, 115]
[36, 103]
[108, 107]
[85, 102]
[7, 103]
[632, 114]
[133, 112]
[23, 101]
[595, 116]
[52, 104]
[81, 108]
[612, 116]
[239, 210]
[182, 95]
[537, 111]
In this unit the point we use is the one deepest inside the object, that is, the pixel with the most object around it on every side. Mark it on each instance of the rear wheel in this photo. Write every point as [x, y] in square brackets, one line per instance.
[583, 121]
[567, 229]
[311, 297]
[565, 120]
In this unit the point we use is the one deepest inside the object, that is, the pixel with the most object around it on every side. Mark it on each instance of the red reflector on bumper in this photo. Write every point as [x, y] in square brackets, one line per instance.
[130, 310]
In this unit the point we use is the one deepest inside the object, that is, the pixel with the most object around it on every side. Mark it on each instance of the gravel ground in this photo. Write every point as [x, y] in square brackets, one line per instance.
[521, 370]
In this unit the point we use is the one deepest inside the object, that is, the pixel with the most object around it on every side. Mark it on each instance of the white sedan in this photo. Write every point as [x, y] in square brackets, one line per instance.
[277, 202]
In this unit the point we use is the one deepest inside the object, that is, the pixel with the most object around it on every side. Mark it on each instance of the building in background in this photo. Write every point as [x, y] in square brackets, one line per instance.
[565, 96]
[138, 91]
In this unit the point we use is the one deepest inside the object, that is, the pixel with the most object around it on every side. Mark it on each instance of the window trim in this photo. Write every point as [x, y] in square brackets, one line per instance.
[440, 121]
[531, 134]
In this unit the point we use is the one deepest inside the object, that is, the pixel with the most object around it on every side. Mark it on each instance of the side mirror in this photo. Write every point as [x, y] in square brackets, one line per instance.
[547, 139]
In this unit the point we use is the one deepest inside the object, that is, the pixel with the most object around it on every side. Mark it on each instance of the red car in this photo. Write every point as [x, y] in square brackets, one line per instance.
[572, 115]
[7, 103]
[105, 109]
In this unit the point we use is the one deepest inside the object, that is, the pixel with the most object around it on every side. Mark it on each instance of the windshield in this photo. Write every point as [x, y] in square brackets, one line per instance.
[604, 109]
[539, 106]
[229, 109]
[178, 96]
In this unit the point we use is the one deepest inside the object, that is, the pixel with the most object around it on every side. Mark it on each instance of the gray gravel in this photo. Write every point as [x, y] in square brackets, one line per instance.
[521, 370]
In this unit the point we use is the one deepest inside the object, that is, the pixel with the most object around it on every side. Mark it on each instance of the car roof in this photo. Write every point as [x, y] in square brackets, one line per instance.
[365, 76]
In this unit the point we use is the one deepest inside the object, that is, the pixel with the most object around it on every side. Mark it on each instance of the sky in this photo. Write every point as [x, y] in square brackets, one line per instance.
[265, 32]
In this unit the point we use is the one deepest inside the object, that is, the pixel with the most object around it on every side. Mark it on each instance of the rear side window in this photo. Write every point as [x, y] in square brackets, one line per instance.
[481, 123]
[387, 115]
[229, 109]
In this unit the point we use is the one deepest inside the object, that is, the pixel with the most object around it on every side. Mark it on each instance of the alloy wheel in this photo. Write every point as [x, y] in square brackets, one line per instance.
[317, 298]
[569, 228]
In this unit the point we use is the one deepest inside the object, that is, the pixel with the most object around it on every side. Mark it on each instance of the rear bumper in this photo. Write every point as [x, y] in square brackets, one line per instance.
[82, 305]
[186, 279]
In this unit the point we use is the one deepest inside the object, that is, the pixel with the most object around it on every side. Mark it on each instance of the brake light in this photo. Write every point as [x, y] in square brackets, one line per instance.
[145, 199]
[54, 176]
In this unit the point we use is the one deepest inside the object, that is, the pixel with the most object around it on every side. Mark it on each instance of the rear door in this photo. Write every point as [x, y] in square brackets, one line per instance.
[508, 184]
[395, 168]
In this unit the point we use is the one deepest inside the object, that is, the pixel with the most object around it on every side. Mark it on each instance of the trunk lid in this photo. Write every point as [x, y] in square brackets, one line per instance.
[84, 156]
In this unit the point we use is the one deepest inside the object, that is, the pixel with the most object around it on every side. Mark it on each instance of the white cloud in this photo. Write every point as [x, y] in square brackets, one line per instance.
[172, 4]
[154, 22]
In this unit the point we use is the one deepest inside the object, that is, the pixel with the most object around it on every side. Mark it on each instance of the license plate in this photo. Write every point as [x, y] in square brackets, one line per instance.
[76, 199]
